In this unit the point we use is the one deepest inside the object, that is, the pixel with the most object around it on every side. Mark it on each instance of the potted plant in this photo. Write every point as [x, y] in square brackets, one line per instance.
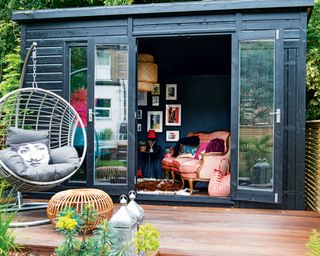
[142, 146]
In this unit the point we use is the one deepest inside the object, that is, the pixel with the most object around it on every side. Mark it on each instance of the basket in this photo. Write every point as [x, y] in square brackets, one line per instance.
[77, 199]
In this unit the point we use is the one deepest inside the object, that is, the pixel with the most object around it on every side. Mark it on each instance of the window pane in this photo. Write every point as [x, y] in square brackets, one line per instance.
[256, 118]
[78, 97]
[111, 87]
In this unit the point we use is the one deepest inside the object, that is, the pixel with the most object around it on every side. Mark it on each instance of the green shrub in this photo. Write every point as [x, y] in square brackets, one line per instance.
[7, 238]
[313, 244]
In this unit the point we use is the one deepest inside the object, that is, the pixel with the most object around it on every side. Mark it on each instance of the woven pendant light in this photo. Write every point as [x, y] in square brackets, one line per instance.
[147, 72]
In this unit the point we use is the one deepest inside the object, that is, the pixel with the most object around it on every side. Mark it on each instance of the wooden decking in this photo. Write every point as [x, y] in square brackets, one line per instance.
[213, 231]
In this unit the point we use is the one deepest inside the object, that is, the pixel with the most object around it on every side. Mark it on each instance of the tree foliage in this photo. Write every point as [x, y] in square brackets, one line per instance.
[313, 64]
[10, 33]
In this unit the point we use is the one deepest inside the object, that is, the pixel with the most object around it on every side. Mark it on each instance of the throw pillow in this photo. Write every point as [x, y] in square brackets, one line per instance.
[192, 141]
[201, 149]
[187, 151]
[13, 161]
[65, 154]
[33, 153]
[17, 136]
[215, 145]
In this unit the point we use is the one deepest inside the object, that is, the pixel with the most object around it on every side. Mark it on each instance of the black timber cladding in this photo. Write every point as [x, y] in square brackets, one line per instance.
[52, 29]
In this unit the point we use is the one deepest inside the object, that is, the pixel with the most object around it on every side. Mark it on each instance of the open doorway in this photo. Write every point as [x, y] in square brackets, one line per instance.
[192, 94]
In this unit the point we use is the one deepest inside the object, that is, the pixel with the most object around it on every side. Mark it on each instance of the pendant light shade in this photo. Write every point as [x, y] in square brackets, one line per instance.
[147, 72]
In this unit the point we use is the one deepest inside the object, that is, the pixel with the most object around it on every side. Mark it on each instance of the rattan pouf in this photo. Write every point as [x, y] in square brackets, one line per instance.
[77, 199]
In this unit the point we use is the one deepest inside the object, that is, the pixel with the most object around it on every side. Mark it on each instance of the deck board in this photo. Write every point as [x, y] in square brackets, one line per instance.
[212, 231]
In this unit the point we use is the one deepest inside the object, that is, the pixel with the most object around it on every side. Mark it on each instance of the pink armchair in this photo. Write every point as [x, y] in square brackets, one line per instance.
[192, 169]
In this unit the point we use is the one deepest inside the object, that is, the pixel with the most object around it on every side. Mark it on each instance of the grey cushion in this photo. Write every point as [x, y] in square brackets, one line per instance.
[16, 135]
[46, 173]
[66, 154]
[12, 160]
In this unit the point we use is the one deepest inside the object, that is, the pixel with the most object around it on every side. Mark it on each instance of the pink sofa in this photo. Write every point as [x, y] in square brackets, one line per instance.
[192, 169]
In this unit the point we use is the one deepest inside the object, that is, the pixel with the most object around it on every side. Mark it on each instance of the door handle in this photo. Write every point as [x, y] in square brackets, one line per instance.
[277, 114]
[90, 115]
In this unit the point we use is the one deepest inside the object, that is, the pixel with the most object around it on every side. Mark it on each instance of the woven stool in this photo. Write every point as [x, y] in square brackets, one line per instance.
[77, 199]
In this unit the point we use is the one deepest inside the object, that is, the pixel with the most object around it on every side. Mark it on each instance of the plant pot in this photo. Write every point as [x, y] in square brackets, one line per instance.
[143, 148]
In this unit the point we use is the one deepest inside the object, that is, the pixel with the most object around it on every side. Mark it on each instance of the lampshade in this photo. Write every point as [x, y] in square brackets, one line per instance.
[152, 135]
[147, 72]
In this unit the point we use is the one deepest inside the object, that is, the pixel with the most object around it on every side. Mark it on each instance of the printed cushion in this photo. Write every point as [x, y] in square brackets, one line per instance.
[65, 154]
[17, 136]
[187, 151]
[192, 141]
[12, 160]
[215, 145]
[33, 153]
[201, 149]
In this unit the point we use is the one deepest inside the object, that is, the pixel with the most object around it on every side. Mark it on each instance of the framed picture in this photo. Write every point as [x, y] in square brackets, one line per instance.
[171, 91]
[142, 99]
[139, 127]
[173, 114]
[139, 114]
[156, 89]
[172, 136]
[155, 101]
[154, 121]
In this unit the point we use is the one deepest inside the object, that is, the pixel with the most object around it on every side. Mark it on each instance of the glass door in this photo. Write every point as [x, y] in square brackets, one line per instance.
[258, 127]
[108, 116]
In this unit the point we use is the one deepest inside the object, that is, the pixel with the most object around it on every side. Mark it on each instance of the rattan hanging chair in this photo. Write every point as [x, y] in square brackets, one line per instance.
[38, 109]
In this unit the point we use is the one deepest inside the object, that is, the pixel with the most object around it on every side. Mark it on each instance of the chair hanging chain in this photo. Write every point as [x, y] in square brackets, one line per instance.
[34, 66]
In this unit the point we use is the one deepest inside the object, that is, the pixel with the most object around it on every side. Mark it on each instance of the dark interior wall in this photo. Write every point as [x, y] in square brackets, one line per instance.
[203, 88]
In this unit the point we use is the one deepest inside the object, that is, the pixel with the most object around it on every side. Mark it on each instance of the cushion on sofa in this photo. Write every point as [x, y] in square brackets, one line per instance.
[215, 145]
[12, 160]
[33, 153]
[192, 141]
[17, 136]
[201, 149]
[47, 173]
[187, 151]
[65, 154]
[168, 161]
[190, 166]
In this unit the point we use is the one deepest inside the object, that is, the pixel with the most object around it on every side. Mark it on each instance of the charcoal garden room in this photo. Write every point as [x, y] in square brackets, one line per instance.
[235, 66]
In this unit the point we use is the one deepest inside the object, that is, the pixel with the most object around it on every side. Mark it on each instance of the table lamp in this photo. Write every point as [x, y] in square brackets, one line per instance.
[151, 139]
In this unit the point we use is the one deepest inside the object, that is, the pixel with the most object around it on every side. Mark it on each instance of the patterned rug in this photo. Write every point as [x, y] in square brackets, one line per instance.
[156, 185]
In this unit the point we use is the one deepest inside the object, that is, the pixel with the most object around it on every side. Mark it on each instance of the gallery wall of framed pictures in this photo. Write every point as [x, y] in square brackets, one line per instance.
[159, 115]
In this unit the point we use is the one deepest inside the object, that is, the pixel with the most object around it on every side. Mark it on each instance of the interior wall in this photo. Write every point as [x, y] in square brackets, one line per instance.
[204, 91]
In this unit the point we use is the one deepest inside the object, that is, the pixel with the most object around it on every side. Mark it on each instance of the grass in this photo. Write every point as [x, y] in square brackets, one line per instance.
[104, 163]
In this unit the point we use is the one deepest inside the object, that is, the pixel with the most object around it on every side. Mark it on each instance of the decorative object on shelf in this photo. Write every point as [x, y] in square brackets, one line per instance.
[77, 199]
[142, 99]
[152, 136]
[173, 114]
[155, 101]
[124, 225]
[139, 114]
[172, 136]
[171, 92]
[156, 89]
[147, 72]
[139, 127]
[154, 121]
[142, 146]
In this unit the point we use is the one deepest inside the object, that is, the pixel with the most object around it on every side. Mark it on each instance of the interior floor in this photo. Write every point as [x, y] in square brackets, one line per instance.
[198, 68]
